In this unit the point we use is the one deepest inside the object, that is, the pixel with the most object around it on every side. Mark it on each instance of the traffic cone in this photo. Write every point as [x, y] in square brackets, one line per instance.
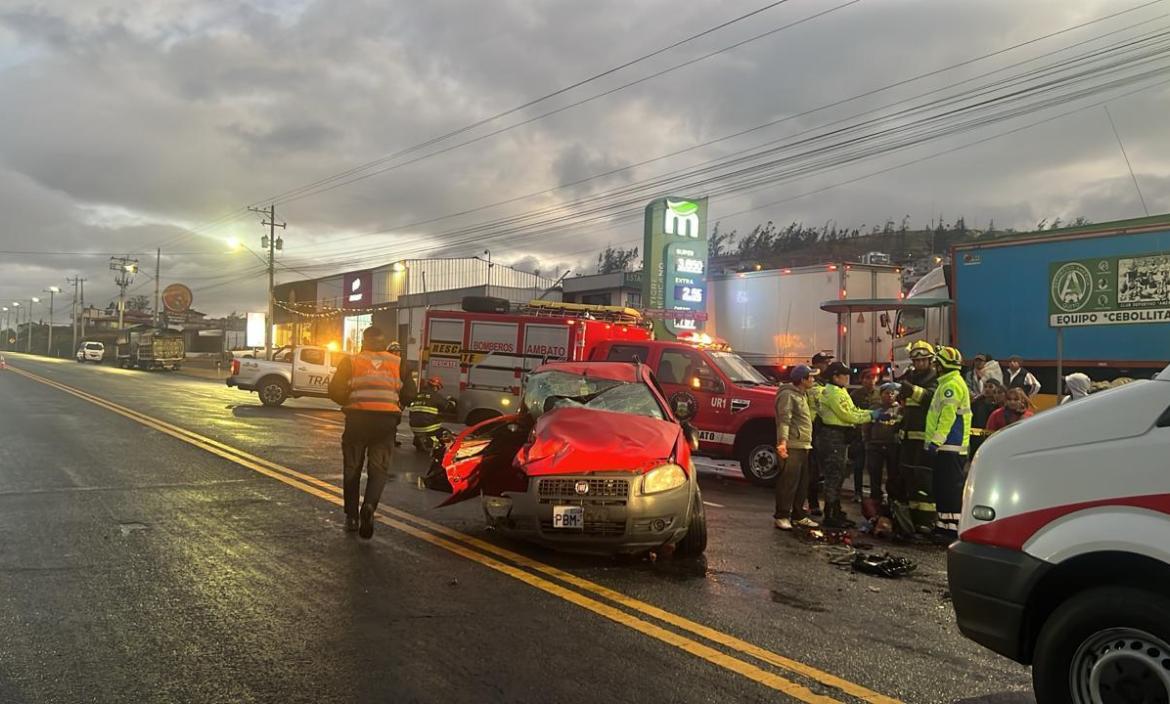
[3, 364]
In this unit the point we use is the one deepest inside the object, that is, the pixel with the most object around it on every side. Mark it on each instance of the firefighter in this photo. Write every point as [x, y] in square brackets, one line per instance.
[839, 416]
[948, 437]
[911, 500]
[428, 405]
[371, 387]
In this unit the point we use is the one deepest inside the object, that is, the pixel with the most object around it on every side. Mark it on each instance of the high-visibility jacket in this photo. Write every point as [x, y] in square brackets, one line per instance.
[948, 421]
[838, 410]
[374, 382]
[424, 412]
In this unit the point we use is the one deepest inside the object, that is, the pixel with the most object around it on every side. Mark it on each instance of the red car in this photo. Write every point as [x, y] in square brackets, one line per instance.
[595, 461]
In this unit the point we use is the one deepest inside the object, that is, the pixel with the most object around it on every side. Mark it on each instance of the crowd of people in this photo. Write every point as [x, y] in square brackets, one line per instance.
[911, 437]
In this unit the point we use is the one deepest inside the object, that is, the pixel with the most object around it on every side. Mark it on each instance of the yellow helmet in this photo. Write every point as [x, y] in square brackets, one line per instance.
[949, 358]
[920, 349]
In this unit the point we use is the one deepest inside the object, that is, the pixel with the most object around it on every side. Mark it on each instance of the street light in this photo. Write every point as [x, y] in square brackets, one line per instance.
[31, 301]
[52, 291]
[488, 253]
[5, 311]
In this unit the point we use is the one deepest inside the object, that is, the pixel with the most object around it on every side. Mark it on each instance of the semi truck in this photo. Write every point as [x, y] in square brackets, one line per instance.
[150, 349]
[481, 353]
[774, 320]
[1093, 299]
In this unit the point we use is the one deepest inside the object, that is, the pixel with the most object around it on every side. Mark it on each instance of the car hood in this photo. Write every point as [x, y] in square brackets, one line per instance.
[576, 440]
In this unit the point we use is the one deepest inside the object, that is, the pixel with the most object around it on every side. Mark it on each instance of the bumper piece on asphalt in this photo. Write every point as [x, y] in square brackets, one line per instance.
[990, 588]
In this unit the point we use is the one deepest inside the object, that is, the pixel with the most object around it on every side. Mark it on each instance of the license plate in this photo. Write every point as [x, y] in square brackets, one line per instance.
[570, 517]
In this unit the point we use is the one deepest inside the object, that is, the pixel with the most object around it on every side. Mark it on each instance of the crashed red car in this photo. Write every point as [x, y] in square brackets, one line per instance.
[595, 461]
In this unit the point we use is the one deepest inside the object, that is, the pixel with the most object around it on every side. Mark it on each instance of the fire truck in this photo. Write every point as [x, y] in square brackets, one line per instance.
[482, 355]
[732, 405]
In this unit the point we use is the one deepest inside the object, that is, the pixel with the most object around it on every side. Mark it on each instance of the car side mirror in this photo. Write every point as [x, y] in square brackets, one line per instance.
[692, 436]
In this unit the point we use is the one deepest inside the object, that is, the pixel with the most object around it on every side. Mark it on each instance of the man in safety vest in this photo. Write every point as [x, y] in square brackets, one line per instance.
[948, 436]
[429, 404]
[371, 387]
[911, 487]
[820, 362]
[838, 417]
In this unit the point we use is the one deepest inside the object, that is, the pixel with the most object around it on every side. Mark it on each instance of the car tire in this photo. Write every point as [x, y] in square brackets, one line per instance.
[273, 391]
[694, 543]
[758, 459]
[1113, 632]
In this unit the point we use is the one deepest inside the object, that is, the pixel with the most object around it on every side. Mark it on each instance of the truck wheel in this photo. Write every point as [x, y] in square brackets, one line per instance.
[758, 459]
[273, 391]
[1109, 644]
[694, 543]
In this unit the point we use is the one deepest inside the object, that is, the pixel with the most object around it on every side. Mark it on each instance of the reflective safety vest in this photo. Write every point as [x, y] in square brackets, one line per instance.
[375, 382]
[836, 408]
[424, 413]
[948, 422]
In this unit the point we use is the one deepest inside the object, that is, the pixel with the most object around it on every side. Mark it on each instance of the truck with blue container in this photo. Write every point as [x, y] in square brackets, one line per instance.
[1093, 299]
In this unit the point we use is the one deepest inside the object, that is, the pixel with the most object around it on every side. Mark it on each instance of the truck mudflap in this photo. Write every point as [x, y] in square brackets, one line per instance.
[990, 587]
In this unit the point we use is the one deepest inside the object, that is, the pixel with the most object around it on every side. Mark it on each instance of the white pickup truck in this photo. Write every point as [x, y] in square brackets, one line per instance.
[293, 372]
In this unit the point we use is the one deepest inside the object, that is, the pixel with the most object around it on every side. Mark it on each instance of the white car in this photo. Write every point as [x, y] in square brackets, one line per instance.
[91, 352]
[1063, 557]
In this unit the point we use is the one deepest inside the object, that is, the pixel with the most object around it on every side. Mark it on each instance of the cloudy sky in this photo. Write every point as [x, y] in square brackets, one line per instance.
[128, 126]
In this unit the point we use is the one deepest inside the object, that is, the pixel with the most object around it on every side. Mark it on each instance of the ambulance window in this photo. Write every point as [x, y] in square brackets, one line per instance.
[626, 353]
[310, 356]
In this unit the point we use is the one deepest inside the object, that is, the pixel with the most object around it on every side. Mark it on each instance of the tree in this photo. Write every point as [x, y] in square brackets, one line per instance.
[138, 303]
[719, 243]
[615, 259]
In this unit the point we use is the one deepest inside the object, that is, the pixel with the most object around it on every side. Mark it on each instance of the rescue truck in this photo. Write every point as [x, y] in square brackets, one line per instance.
[733, 403]
[481, 356]
[1063, 557]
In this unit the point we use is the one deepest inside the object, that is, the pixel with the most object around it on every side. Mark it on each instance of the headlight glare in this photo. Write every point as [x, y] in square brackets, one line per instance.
[471, 449]
[664, 478]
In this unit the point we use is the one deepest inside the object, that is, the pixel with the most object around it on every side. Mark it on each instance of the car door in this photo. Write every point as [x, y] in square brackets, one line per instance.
[310, 374]
[479, 460]
[687, 378]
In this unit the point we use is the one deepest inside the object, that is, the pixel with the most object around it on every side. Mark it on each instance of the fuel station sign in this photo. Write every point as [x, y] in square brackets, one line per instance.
[675, 263]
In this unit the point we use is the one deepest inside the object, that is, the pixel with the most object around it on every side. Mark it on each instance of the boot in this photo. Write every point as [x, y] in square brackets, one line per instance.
[834, 518]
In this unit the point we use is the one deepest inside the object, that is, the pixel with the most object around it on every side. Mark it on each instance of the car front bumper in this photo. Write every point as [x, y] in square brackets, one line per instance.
[616, 520]
[990, 587]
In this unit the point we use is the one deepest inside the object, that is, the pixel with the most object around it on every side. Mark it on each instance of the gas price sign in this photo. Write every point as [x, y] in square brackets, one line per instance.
[690, 265]
[689, 294]
[675, 262]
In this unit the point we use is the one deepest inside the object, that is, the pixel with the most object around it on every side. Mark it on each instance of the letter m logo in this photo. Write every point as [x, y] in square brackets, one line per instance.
[682, 218]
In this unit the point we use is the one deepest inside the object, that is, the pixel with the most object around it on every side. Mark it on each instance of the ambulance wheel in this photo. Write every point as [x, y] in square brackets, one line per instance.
[758, 459]
[1109, 644]
[694, 543]
[273, 391]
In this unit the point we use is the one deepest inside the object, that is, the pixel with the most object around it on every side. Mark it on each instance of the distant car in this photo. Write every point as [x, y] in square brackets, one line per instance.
[595, 461]
[91, 352]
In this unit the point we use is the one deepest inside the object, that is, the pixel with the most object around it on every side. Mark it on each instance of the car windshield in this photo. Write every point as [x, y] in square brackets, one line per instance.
[575, 390]
[739, 371]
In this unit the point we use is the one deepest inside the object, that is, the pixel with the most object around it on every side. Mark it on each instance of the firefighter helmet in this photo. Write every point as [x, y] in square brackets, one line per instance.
[394, 347]
[920, 349]
[435, 383]
[949, 358]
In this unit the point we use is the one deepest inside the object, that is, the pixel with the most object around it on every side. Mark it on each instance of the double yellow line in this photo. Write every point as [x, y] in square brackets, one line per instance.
[532, 573]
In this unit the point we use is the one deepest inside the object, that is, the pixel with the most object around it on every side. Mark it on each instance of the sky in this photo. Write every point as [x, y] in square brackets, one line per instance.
[128, 127]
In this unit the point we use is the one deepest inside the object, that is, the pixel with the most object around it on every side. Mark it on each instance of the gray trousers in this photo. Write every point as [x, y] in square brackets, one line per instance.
[792, 485]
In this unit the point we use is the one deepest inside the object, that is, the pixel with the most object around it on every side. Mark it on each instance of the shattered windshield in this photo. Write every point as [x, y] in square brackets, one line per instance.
[570, 390]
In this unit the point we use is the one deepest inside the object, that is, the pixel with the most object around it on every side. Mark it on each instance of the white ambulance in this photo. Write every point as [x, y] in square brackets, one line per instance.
[1063, 557]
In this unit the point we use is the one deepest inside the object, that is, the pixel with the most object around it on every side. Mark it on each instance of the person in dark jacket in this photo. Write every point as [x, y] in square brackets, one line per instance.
[426, 412]
[881, 440]
[1017, 377]
[867, 397]
[911, 489]
[982, 407]
[371, 387]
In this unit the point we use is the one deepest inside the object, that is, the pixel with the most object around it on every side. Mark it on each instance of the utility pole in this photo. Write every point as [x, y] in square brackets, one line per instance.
[5, 311]
[272, 243]
[157, 273]
[126, 268]
[52, 291]
[82, 325]
[74, 282]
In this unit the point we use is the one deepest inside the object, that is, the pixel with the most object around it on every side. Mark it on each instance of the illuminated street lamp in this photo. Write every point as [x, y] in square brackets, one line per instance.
[6, 317]
[16, 314]
[52, 291]
[31, 301]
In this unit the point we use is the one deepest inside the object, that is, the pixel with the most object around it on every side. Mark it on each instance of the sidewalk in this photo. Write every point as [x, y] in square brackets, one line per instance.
[205, 369]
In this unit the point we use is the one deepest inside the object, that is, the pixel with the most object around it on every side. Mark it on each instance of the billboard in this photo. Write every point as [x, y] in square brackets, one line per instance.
[1117, 290]
[254, 330]
[177, 298]
[358, 289]
[674, 262]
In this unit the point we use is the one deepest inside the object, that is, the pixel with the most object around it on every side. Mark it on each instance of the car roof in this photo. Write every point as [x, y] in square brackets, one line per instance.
[615, 371]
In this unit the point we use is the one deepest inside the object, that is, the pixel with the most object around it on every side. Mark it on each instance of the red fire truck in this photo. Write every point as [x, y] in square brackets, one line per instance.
[481, 357]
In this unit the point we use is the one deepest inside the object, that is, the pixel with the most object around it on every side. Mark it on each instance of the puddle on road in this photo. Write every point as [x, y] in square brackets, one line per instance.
[128, 528]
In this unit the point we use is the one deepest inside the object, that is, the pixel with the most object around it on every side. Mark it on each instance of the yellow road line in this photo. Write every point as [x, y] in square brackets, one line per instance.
[330, 492]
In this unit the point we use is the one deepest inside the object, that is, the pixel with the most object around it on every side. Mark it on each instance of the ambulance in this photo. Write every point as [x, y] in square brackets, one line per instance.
[1063, 557]
[482, 356]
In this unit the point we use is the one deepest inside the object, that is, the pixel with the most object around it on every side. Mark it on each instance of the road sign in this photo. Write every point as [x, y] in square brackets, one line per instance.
[177, 298]
[1123, 290]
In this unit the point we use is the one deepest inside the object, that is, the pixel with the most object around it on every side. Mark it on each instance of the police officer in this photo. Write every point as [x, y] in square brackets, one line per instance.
[911, 489]
[819, 362]
[948, 437]
[838, 417]
[371, 387]
[428, 405]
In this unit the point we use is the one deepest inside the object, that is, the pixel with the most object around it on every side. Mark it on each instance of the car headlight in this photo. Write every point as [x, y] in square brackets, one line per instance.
[664, 478]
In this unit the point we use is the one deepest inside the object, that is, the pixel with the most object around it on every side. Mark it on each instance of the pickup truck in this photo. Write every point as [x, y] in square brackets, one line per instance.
[293, 372]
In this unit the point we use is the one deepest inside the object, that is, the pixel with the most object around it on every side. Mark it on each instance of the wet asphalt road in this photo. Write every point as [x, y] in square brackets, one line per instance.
[136, 567]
